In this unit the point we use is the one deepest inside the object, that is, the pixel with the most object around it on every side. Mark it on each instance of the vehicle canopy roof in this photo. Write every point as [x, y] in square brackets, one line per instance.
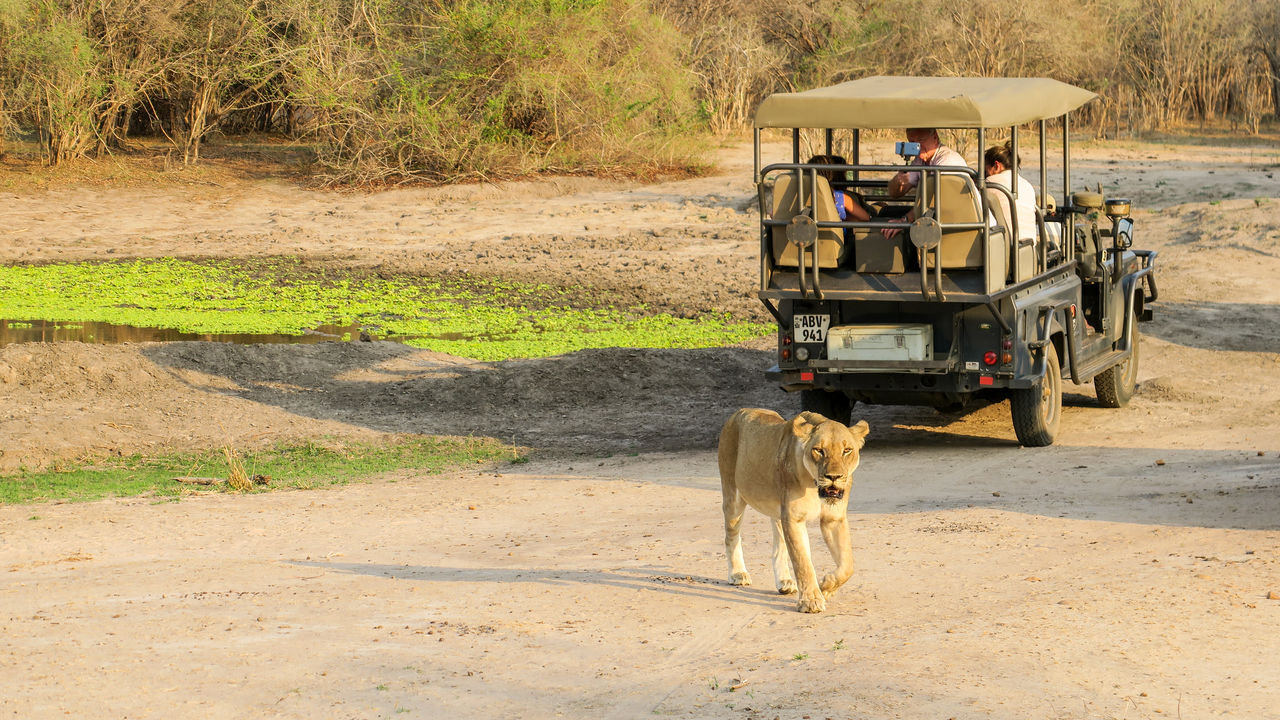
[883, 102]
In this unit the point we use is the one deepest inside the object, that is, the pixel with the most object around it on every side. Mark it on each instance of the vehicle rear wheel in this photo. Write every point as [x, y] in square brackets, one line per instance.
[834, 405]
[1037, 411]
[1116, 384]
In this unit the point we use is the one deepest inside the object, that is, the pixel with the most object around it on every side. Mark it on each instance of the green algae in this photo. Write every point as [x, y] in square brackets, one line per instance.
[480, 319]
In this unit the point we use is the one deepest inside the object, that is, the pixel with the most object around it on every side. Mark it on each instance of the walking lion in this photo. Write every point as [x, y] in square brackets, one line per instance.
[792, 471]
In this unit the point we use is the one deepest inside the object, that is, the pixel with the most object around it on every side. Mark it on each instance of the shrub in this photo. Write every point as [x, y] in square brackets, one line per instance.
[491, 90]
[453, 89]
[51, 66]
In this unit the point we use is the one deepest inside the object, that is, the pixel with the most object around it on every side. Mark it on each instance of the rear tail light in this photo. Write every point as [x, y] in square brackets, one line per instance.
[786, 353]
[991, 357]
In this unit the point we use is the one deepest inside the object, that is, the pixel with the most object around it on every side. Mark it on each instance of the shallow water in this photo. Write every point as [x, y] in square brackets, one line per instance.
[19, 331]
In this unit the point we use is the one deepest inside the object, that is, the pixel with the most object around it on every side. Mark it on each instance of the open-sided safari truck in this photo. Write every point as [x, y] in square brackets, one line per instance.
[965, 304]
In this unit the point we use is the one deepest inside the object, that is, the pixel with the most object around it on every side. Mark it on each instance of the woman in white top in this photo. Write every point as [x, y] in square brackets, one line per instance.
[999, 159]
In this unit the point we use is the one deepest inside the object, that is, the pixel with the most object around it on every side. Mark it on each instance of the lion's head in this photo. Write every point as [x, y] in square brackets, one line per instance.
[830, 453]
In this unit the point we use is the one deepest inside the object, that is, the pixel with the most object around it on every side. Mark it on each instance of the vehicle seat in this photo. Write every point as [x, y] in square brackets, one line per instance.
[830, 246]
[1025, 267]
[1053, 239]
[958, 203]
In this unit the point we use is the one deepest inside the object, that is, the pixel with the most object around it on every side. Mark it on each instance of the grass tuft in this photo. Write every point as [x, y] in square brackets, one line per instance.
[237, 478]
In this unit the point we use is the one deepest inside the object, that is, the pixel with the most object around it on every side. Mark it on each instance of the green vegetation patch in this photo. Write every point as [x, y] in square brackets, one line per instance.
[304, 466]
[485, 320]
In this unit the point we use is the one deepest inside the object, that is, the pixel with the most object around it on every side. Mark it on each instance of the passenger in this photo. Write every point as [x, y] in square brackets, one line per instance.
[933, 153]
[846, 205]
[999, 161]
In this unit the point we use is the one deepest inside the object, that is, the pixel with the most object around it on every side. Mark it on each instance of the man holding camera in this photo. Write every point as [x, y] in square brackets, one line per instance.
[932, 152]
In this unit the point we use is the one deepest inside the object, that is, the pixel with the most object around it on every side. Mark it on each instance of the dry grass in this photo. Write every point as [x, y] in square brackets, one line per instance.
[237, 478]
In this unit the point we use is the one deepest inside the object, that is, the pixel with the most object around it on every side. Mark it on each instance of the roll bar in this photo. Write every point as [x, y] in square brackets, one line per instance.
[979, 177]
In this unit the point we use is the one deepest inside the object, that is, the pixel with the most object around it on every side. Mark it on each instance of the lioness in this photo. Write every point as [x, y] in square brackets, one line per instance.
[793, 472]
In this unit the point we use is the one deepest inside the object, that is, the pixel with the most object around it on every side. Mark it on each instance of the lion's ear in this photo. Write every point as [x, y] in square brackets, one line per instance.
[803, 425]
[860, 429]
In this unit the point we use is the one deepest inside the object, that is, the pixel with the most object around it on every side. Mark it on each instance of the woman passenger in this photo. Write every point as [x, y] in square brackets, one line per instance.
[847, 207]
[999, 160]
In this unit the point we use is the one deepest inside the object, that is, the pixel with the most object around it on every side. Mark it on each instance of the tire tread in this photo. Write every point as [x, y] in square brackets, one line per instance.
[833, 405]
[1028, 421]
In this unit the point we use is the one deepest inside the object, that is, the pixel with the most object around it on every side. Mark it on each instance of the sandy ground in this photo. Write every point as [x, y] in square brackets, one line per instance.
[1122, 573]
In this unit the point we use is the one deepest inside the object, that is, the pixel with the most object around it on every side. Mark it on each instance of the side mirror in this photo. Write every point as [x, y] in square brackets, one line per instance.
[1124, 233]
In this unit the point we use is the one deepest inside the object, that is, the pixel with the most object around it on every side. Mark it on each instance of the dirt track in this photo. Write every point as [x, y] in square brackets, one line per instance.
[1122, 573]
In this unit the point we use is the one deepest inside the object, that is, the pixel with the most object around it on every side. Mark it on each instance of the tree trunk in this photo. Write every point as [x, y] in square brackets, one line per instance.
[1273, 61]
[200, 118]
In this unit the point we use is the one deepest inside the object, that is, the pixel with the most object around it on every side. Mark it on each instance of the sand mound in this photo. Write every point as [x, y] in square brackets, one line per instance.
[77, 370]
[67, 400]
[1166, 389]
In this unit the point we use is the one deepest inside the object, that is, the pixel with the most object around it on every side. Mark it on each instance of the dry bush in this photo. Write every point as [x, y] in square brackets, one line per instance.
[453, 89]
[51, 74]
[734, 64]
[134, 41]
[1264, 19]
[744, 50]
[994, 38]
[77, 71]
[481, 90]
[1182, 60]
[230, 51]
[1155, 63]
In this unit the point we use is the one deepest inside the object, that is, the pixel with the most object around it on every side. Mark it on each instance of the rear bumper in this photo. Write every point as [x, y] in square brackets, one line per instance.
[920, 377]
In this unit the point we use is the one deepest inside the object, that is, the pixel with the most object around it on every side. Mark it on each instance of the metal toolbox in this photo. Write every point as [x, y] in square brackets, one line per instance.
[880, 342]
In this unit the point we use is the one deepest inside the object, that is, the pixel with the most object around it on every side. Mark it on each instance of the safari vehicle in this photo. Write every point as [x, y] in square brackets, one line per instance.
[965, 305]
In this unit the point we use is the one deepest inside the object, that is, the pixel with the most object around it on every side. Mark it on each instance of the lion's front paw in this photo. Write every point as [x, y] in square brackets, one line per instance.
[812, 603]
[786, 587]
[740, 578]
[830, 583]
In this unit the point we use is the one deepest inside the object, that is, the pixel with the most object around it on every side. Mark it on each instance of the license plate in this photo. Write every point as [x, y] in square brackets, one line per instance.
[811, 328]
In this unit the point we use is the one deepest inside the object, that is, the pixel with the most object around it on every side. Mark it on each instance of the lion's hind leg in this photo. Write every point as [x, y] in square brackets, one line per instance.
[734, 508]
[782, 573]
[732, 503]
